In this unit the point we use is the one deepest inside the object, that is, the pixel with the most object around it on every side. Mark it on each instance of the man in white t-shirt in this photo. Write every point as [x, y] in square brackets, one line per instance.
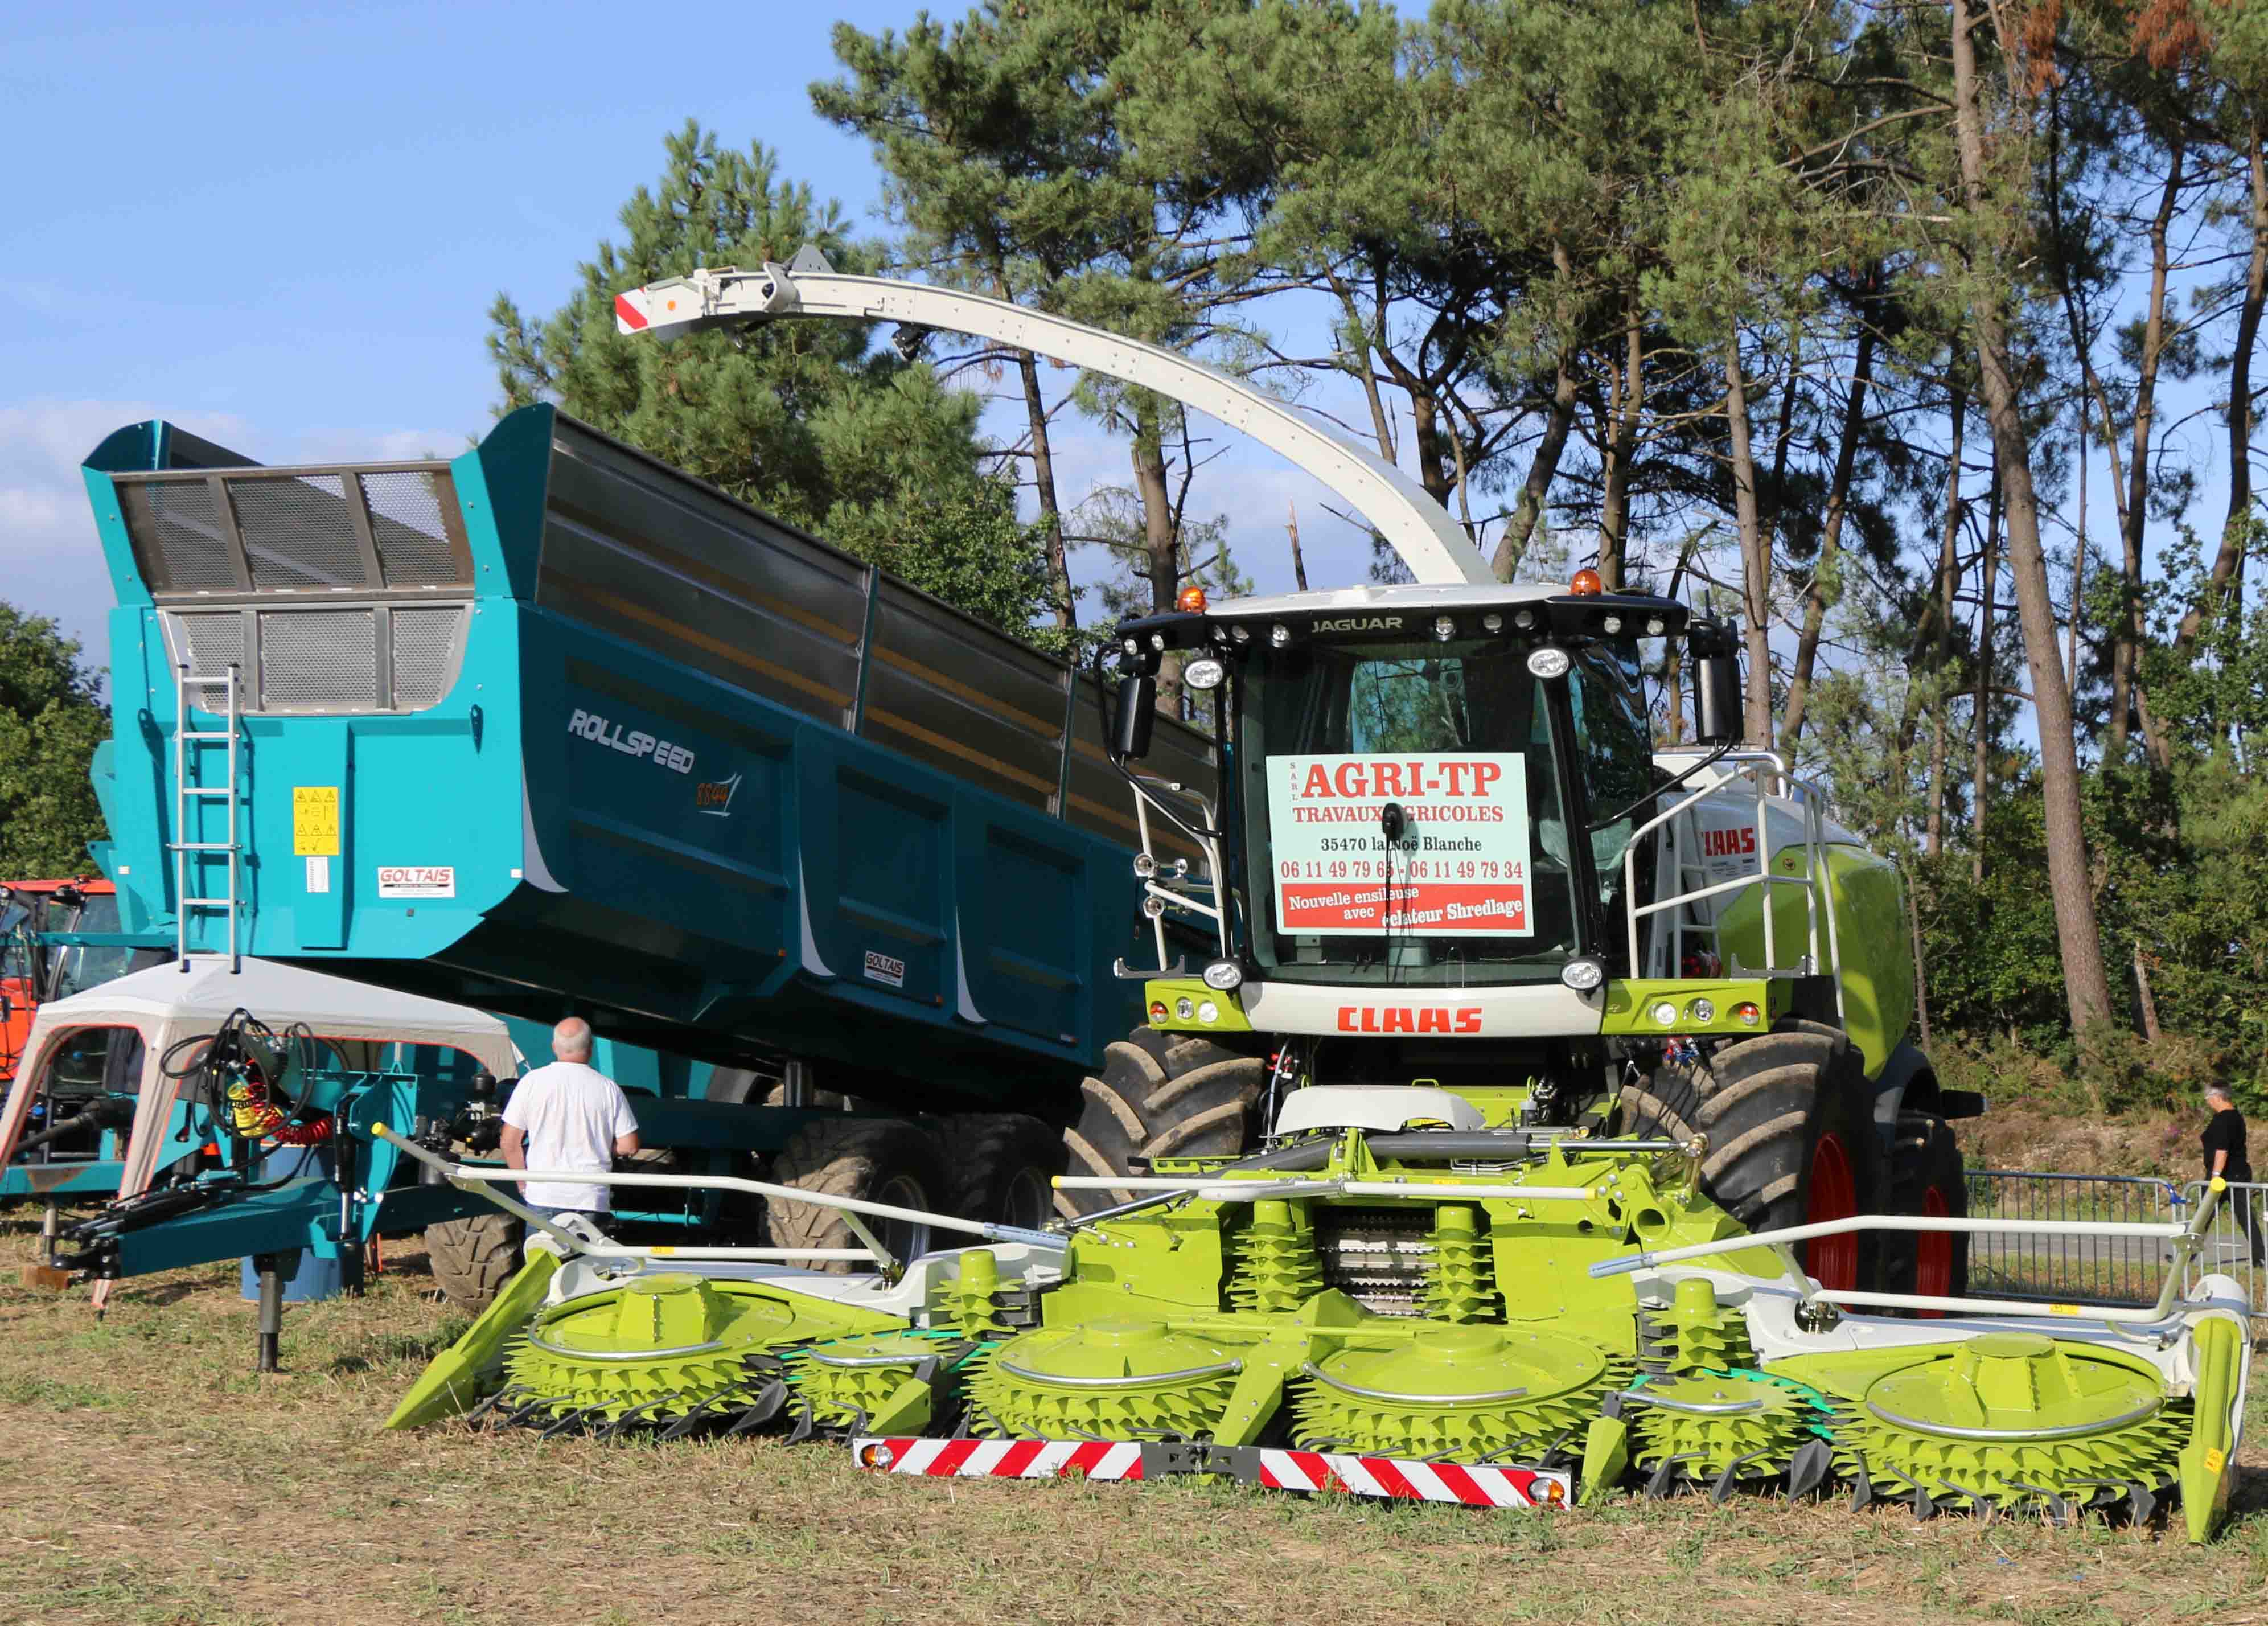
[568, 1115]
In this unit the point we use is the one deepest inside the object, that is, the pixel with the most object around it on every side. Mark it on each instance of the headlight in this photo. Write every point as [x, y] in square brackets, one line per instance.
[1583, 975]
[1204, 672]
[1242, 633]
[1547, 660]
[1611, 625]
[1186, 1008]
[1525, 620]
[1279, 635]
[1208, 1012]
[1223, 975]
[1491, 623]
[1443, 628]
[1656, 627]
[1665, 1013]
[1702, 1011]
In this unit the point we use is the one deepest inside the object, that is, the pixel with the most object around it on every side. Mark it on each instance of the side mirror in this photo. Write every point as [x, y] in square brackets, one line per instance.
[1137, 711]
[1717, 699]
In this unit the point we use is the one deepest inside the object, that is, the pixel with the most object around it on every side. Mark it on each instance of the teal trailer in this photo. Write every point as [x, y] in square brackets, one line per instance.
[553, 727]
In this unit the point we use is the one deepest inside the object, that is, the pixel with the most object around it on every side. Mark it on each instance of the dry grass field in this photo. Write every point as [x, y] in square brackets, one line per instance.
[152, 1477]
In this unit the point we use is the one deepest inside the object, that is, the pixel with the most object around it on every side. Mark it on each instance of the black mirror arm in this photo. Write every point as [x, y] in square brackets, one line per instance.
[1661, 789]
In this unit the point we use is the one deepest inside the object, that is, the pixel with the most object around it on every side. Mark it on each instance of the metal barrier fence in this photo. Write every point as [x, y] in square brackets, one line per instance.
[2057, 1268]
[2237, 1238]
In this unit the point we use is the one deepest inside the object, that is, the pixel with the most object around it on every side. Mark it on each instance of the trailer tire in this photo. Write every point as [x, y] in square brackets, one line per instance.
[877, 1160]
[473, 1257]
[1789, 1143]
[1160, 1095]
[1002, 1166]
[1928, 1177]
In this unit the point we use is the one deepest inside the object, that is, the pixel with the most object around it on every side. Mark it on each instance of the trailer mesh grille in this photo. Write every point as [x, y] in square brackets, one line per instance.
[425, 655]
[177, 536]
[408, 517]
[318, 659]
[312, 530]
[297, 532]
[210, 644]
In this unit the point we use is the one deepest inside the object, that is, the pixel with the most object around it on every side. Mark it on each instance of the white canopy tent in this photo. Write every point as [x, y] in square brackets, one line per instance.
[166, 1004]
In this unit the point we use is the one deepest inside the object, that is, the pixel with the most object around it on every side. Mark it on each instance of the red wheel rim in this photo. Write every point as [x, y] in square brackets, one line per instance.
[1833, 1259]
[1933, 1254]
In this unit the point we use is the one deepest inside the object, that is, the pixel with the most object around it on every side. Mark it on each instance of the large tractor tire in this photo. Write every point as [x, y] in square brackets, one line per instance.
[877, 1160]
[473, 1257]
[1160, 1095]
[1928, 1177]
[1001, 1166]
[1789, 1141]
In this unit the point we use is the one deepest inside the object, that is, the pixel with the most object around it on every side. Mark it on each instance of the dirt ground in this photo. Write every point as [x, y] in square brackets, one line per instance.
[154, 1478]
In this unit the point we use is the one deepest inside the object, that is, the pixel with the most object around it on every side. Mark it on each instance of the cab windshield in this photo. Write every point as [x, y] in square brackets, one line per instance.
[1451, 744]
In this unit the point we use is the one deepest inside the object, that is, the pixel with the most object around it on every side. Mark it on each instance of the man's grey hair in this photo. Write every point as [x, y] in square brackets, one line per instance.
[2219, 1093]
[572, 1040]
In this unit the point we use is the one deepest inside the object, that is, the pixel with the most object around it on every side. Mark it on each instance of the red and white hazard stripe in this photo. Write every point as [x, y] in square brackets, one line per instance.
[1410, 1481]
[1002, 1459]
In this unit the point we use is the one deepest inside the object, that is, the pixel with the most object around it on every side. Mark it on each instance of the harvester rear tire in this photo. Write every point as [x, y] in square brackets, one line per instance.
[1789, 1141]
[877, 1160]
[1001, 1166]
[473, 1257]
[1160, 1095]
[1928, 1176]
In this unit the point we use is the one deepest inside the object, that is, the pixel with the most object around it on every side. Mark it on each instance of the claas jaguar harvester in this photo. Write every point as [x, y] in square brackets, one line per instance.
[1526, 1113]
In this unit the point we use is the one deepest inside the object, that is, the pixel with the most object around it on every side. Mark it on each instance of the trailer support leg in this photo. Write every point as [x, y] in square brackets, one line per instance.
[271, 1308]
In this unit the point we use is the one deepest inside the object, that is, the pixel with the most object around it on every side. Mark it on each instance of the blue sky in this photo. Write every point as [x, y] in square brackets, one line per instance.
[284, 228]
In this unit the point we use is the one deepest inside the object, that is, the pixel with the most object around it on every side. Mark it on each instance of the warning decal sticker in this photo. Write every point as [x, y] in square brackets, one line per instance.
[1460, 864]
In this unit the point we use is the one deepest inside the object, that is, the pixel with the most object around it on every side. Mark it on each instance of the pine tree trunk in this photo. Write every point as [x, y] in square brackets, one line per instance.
[1161, 541]
[1838, 501]
[1980, 767]
[1627, 401]
[1558, 422]
[2085, 983]
[1755, 553]
[1043, 478]
[2126, 633]
[2227, 576]
[1947, 582]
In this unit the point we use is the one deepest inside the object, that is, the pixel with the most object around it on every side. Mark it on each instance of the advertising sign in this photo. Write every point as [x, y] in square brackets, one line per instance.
[1460, 864]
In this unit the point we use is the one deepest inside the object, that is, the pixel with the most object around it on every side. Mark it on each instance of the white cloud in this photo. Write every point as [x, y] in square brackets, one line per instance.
[51, 563]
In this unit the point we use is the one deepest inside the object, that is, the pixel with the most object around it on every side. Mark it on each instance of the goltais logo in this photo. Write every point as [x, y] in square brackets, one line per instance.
[1357, 624]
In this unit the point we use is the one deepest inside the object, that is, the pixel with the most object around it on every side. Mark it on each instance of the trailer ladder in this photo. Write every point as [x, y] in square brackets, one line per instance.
[191, 787]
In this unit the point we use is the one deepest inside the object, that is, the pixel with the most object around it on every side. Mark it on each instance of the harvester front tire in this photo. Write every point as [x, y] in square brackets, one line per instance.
[1002, 1166]
[1789, 1143]
[876, 1159]
[473, 1257]
[1160, 1095]
[1928, 1177]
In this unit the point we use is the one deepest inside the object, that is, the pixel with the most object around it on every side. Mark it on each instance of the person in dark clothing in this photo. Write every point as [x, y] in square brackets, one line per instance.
[2225, 1156]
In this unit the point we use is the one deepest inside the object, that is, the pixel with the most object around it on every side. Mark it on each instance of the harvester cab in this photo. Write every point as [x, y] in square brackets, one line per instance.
[1443, 849]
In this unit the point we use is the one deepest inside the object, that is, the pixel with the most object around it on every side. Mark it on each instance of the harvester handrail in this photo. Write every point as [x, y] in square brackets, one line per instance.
[2186, 1235]
[479, 1177]
[1758, 768]
[1213, 1189]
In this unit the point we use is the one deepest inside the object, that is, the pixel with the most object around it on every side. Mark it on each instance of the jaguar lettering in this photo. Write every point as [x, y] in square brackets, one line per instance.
[1357, 624]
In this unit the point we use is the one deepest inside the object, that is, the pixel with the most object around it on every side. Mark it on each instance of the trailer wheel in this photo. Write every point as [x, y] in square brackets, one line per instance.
[1789, 1143]
[1928, 1176]
[877, 1160]
[473, 1257]
[1159, 1096]
[1001, 1166]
